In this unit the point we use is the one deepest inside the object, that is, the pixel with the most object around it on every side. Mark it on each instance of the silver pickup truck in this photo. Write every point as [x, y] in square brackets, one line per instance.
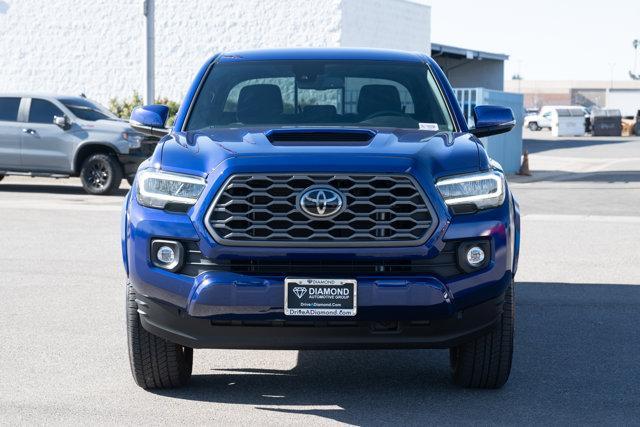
[62, 136]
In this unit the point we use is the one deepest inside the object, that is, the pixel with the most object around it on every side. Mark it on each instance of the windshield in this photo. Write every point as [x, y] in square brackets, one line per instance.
[84, 109]
[320, 93]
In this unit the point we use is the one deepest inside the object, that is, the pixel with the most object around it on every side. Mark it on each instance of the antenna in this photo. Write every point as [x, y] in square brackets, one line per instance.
[634, 74]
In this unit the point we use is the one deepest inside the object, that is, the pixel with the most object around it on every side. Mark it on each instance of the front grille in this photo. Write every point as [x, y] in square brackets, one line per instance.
[262, 210]
[444, 265]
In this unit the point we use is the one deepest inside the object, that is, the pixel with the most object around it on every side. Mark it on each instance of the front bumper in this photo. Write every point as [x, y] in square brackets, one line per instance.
[135, 157]
[173, 324]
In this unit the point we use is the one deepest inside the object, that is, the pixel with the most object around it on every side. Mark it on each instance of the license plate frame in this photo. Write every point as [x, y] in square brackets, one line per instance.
[320, 297]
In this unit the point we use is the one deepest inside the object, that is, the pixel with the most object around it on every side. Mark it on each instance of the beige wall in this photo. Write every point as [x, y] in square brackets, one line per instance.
[565, 86]
[538, 93]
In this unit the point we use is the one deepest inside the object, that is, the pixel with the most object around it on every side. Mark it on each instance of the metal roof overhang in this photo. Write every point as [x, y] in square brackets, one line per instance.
[460, 52]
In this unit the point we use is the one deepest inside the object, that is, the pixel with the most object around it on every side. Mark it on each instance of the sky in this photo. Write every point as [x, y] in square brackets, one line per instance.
[545, 39]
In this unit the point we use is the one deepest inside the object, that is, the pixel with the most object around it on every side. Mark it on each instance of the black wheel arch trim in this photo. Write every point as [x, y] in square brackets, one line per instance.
[86, 149]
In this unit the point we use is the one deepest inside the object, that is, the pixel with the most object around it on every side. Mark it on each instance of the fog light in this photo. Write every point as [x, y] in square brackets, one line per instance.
[475, 256]
[167, 254]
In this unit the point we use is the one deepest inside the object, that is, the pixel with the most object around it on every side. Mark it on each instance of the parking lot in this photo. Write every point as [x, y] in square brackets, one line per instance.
[64, 356]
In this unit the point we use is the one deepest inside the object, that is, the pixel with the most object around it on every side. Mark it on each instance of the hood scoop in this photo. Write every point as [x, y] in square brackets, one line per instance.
[320, 137]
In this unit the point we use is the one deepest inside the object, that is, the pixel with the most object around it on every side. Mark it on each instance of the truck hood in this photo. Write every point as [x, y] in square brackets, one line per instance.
[106, 125]
[442, 153]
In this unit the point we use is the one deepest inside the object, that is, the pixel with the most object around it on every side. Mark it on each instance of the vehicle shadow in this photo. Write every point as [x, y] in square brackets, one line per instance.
[533, 145]
[614, 176]
[576, 362]
[51, 189]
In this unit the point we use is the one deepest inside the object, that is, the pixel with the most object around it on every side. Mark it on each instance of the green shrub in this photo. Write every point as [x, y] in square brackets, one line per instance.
[123, 108]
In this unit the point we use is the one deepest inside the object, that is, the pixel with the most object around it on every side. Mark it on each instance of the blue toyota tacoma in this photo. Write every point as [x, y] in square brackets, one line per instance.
[320, 199]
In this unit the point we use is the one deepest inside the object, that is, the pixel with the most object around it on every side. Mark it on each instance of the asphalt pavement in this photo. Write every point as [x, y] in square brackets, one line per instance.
[62, 329]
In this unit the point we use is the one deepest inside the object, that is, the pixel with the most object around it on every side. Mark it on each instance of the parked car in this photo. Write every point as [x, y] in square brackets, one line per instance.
[540, 120]
[61, 136]
[548, 115]
[320, 199]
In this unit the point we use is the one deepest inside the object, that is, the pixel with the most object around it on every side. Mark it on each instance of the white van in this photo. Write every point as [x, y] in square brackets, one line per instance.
[568, 120]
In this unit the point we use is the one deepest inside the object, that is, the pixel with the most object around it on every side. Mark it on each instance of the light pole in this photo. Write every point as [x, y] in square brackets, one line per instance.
[612, 65]
[634, 74]
[149, 44]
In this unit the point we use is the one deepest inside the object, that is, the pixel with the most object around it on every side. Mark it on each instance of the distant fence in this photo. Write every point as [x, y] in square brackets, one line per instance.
[505, 148]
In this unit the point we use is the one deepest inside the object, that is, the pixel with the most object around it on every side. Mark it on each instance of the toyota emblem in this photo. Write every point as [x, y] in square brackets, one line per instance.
[321, 202]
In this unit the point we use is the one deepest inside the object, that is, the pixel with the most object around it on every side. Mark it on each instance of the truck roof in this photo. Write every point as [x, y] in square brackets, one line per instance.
[44, 95]
[322, 54]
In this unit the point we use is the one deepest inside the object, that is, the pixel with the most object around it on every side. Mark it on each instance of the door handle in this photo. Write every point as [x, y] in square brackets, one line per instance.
[30, 131]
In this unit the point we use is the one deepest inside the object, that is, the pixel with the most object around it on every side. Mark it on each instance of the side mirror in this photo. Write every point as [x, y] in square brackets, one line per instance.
[62, 122]
[492, 120]
[150, 119]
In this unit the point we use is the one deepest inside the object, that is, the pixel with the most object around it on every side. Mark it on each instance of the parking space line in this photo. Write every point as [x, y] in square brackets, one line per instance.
[58, 206]
[584, 218]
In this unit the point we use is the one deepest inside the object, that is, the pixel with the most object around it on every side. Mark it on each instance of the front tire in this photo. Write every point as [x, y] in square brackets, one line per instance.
[100, 174]
[485, 362]
[533, 126]
[155, 362]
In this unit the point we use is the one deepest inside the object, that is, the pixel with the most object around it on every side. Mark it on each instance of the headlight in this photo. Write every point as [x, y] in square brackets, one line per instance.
[484, 190]
[156, 188]
[135, 140]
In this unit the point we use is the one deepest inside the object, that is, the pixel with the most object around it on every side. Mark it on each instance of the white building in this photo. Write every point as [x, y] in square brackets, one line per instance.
[97, 47]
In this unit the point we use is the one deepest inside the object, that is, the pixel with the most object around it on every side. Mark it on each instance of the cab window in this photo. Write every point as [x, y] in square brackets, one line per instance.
[42, 111]
[9, 109]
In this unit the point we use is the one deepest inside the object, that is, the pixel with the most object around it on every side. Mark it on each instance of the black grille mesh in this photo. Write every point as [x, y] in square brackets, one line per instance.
[261, 208]
[444, 265]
